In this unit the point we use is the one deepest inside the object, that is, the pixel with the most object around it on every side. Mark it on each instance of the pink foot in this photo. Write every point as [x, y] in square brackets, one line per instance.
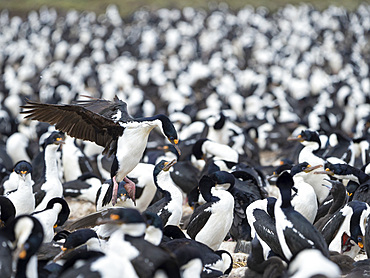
[115, 191]
[130, 188]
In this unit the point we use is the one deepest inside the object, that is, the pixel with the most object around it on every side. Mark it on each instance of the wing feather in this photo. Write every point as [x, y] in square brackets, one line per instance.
[77, 121]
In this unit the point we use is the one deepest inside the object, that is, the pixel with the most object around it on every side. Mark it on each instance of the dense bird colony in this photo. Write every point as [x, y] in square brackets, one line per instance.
[268, 116]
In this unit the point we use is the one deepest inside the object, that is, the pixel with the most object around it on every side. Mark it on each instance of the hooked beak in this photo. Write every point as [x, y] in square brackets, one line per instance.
[327, 185]
[59, 141]
[23, 175]
[298, 138]
[310, 168]
[113, 219]
[168, 165]
[20, 252]
[327, 171]
[361, 245]
[174, 142]
[274, 175]
[62, 253]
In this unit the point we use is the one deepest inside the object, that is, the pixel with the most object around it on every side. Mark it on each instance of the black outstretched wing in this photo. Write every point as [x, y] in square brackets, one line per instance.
[106, 108]
[87, 121]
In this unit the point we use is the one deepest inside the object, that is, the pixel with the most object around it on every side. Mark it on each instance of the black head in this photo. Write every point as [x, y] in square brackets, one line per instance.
[152, 219]
[186, 254]
[23, 168]
[205, 185]
[78, 238]
[351, 187]
[7, 211]
[307, 136]
[341, 169]
[357, 218]
[169, 130]
[64, 212]
[284, 181]
[28, 228]
[310, 136]
[220, 122]
[336, 186]
[197, 148]
[56, 137]
[62, 235]
[281, 168]
[223, 178]
[303, 167]
[173, 232]
[163, 165]
[298, 168]
[122, 216]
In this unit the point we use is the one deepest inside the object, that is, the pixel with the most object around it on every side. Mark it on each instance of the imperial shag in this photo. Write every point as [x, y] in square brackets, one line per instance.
[108, 124]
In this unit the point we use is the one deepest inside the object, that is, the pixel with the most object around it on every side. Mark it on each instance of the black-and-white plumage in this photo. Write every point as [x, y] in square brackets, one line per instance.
[7, 211]
[11, 183]
[77, 243]
[312, 144]
[23, 197]
[258, 265]
[261, 218]
[169, 208]
[104, 195]
[146, 189]
[346, 172]
[211, 221]
[342, 147]
[357, 181]
[154, 229]
[205, 148]
[23, 236]
[49, 185]
[304, 199]
[336, 200]
[344, 232]
[85, 187]
[142, 176]
[109, 125]
[214, 263]
[245, 191]
[312, 263]
[55, 214]
[75, 162]
[294, 231]
[144, 256]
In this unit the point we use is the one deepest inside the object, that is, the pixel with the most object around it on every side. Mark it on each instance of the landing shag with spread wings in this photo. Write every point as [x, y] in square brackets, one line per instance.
[108, 124]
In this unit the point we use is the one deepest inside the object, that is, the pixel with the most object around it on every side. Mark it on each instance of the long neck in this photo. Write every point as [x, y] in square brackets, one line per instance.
[167, 186]
[51, 164]
[285, 193]
[307, 154]
[362, 176]
[27, 268]
[338, 200]
[205, 186]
